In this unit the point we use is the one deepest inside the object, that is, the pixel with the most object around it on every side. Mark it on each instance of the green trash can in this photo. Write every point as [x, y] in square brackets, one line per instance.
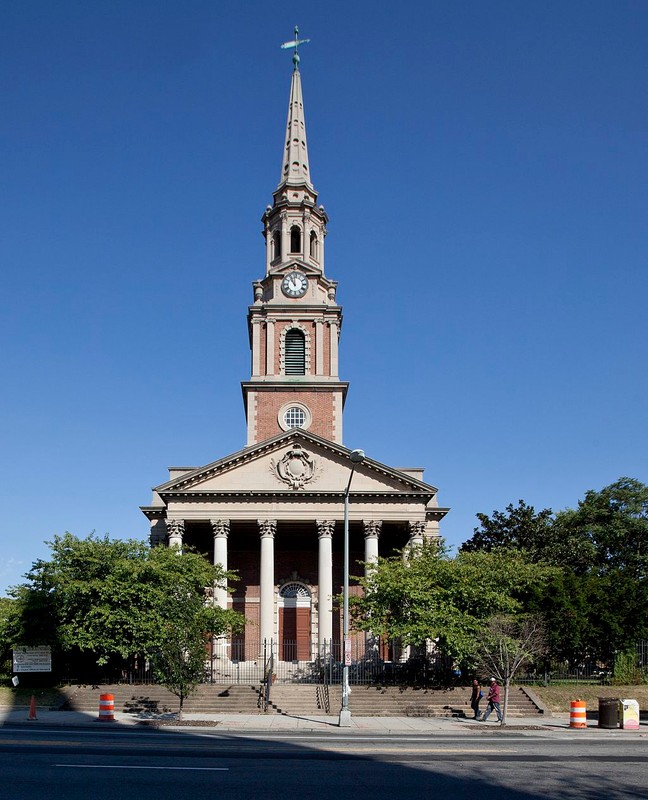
[608, 712]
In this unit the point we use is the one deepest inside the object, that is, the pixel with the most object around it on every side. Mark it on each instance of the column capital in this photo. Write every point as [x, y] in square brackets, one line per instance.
[325, 528]
[267, 527]
[220, 527]
[417, 529]
[175, 530]
[372, 528]
[175, 527]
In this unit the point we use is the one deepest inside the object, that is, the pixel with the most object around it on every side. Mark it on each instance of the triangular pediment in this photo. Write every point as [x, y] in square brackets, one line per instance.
[310, 270]
[293, 462]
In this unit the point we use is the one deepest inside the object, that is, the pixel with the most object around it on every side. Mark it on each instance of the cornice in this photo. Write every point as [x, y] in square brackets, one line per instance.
[153, 512]
[314, 382]
[296, 496]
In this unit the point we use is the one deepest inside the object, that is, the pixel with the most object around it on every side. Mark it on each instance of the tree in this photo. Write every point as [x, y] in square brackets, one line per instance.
[429, 596]
[521, 527]
[7, 610]
[596, 604]
[115, 600]
[518, 527]
[611, 525]
[179, 663]
[614, 523]
[504, 645]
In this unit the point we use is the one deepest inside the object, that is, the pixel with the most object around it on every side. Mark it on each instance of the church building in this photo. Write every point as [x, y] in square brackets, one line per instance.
[273, 511]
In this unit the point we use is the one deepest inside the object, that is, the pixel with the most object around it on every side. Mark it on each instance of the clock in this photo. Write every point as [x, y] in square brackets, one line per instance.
[294, 284]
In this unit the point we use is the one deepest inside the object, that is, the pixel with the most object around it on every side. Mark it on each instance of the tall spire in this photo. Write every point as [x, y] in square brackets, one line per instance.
[295, 170]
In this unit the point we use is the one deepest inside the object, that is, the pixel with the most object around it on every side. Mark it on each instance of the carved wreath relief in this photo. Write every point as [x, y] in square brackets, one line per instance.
[296, 468]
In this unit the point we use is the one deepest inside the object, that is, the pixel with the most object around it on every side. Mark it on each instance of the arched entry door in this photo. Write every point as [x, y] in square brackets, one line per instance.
[294, 622]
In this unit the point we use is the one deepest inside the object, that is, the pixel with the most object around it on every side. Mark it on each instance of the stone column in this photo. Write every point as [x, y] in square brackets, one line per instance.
[270, 346]
[372, 530]
[417, 534]
[325, 530]
[220, 529]
[175, 530]
[267, 530]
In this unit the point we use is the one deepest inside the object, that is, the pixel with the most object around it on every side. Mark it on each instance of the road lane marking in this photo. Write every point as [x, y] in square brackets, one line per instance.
[124, 766]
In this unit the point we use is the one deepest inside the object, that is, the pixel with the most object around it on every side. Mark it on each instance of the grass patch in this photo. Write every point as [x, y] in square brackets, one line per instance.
[558, 698]
[18, 698]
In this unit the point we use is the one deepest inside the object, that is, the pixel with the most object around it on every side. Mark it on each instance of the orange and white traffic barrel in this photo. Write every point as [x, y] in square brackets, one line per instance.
[578, 714]
[106, 708]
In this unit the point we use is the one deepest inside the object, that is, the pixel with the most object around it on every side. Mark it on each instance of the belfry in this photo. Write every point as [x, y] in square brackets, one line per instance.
[273, 511]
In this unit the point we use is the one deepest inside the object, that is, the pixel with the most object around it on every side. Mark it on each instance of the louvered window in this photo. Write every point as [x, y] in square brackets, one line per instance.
[295, 352]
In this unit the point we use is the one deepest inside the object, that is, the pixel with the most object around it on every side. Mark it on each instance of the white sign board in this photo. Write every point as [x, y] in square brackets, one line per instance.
[32, 659]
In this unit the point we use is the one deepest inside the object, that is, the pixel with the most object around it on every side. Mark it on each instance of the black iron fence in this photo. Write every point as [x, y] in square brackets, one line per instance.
[268, 662]
[372, 662]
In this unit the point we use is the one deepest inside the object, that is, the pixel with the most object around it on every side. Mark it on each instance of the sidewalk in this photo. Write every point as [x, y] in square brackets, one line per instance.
[277, 723]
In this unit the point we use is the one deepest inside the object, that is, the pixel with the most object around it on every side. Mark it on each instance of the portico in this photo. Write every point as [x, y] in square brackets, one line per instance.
[273, 513]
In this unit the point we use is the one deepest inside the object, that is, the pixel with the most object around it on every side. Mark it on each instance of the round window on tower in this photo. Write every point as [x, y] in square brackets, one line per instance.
[294, 415]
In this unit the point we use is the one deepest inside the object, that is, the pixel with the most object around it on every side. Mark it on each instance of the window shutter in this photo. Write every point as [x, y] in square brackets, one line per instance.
[295, 353]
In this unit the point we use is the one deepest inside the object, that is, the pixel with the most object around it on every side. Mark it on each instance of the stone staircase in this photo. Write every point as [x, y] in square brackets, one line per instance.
[208, 699]
[297, 700]
[408, 701]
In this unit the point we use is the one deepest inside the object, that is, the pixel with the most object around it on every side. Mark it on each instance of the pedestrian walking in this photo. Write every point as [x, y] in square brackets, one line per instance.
[493, 700]
[475, 696]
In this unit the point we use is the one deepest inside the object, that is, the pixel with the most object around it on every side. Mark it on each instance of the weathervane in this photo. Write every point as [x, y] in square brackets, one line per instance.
[295, 44]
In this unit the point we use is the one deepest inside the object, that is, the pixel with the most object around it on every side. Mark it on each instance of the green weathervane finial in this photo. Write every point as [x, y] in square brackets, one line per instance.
[295, 44]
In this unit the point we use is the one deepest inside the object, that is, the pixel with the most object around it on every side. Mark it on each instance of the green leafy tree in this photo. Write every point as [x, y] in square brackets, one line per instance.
[518, 527]
[7, 611]
[596, 604]
[429, 596]
[614, 524]
[179, 663]
[114, 599]
[536, 533]
[610, 586]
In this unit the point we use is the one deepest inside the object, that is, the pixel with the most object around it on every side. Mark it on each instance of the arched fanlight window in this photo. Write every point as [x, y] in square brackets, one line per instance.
[295, 350]
[294, 590]
[295, 239]
[276, 244]
[313, 245]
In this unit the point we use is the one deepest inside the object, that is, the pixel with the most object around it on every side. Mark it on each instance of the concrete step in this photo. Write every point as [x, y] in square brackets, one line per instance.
[296, 699]
[208, 699]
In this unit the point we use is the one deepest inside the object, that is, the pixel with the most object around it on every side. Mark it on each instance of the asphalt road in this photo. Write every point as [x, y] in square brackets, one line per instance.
[49, 764]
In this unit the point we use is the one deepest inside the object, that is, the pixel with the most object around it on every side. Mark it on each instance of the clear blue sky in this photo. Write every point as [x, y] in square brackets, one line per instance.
[484, 168]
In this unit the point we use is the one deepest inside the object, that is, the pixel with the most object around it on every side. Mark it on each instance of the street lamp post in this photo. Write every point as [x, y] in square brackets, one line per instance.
[345, 713]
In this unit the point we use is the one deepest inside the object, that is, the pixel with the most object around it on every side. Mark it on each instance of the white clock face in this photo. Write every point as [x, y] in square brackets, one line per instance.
[294, 284]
